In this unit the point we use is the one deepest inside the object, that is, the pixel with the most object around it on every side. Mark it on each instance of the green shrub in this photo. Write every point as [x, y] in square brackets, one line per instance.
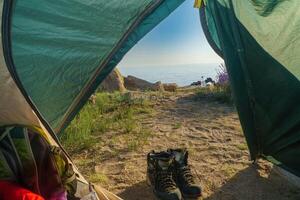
[111, 112]
[219, 93]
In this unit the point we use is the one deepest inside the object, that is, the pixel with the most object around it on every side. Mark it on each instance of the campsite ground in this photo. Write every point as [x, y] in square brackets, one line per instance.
[113, 153]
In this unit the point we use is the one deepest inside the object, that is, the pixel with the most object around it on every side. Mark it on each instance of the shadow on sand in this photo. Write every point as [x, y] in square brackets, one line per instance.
[247, 184]
[250, 184]
[139, 191]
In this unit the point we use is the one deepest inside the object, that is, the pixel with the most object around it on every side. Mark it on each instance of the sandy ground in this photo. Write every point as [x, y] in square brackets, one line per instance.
[218, 154]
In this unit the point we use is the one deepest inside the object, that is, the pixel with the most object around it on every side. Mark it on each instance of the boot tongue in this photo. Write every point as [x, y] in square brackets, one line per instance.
[164, 164]
[180, 157]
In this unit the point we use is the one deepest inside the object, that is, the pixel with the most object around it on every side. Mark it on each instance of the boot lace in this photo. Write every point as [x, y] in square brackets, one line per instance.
[186, 175]
[165, 180]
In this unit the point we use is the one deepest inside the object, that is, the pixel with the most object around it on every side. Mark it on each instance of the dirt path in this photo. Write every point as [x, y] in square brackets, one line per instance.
[218, 154]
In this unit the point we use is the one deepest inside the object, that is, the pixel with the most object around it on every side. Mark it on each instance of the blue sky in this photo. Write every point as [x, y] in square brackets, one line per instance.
[179, 39]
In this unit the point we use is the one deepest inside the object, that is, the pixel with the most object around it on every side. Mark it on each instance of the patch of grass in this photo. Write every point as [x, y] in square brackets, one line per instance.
[192, 152]
[137, 140]
[220, 94]
[79, 132]
[228, 170]
[242, 146]
[211, 185]
[98, 178]
[132, 145]
[177, 125]
[121, 113]
[82, 162]
[115, 153]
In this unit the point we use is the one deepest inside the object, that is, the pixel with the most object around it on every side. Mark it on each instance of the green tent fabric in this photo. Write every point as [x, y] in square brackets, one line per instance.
[259, 41]
[72, 45]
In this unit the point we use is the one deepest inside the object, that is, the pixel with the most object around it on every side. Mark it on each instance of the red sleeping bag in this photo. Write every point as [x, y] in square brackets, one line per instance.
[12, 191]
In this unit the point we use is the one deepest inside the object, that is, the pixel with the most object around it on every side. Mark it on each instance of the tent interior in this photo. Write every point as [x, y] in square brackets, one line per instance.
[55, 55]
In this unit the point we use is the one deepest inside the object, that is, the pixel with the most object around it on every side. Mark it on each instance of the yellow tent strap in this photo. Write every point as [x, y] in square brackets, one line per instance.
[197, 3]
[40, 131]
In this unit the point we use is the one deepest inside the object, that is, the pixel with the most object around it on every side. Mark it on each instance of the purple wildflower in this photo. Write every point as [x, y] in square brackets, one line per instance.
[222, 75]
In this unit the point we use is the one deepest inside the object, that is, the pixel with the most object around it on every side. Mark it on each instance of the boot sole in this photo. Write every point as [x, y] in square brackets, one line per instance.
[153, 190]
[192, 198]
[189, 198]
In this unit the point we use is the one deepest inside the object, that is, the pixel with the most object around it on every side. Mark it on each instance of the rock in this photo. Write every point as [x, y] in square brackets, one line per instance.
[92, 99]
[209, 81]
[170, 87]
[113, 82]
[198, 83]
[158, 86]
[134, 83]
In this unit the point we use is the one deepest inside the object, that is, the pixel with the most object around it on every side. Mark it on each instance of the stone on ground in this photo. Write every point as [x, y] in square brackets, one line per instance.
[113, 82]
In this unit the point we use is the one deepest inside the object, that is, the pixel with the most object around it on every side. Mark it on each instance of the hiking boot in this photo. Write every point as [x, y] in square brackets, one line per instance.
[160, 175]
[183, 176]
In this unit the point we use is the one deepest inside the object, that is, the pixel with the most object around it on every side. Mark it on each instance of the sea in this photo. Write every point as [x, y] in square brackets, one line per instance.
[182, 75]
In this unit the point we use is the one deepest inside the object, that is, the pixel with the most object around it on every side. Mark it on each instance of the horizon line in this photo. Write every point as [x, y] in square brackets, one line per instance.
[169, 65]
